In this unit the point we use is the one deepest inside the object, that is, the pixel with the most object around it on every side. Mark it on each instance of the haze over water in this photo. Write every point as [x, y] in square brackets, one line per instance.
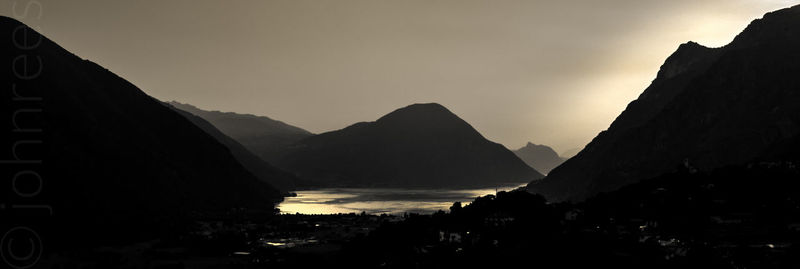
[393, 201]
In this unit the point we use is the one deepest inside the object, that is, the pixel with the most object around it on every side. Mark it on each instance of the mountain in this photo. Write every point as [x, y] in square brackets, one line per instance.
[284, 181]
[540, 157]
[569, 153]
[707, 107]
[263, 136]
[422, 145]
[117, 164]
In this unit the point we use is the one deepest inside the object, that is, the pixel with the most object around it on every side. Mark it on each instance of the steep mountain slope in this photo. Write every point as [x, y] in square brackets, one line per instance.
[707, 107]
[263, 136]
[540, 157]
[422, 145]
[118, 164]
[569, 153]
[264, 171]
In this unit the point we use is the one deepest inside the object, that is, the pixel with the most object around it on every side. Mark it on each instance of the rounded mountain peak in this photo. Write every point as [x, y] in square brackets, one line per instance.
[428, 119]
[427, 112]
[422, 108]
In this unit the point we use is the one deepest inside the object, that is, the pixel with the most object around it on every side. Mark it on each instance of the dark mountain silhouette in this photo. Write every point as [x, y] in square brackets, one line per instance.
[422, 145]
[264, 171]
[118, 164]
[540, 157]
[706, 108]
[263, 136]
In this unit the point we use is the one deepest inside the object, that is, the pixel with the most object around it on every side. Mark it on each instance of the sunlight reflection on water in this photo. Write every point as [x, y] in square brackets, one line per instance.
[380, 200]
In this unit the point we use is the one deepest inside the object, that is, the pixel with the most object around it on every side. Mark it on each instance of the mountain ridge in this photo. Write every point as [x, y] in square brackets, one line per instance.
[263, 136]
[414, 146]
[266, 172]
[709, 107]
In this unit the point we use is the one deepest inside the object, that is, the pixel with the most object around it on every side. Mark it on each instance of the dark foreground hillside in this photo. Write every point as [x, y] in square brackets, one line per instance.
[734, 217]
[98, 161]
[686, 219]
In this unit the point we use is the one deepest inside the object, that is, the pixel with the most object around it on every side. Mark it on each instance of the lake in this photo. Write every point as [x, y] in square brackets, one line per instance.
[380, 200]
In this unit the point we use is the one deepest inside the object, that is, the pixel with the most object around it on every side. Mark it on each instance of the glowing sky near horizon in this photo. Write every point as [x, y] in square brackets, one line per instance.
[551, 72]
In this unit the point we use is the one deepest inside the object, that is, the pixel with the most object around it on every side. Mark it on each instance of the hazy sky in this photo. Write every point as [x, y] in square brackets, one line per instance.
[554, 72]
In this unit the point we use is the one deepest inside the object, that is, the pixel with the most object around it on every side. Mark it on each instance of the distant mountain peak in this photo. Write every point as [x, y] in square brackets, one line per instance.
[540, 157]
[532, 145]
